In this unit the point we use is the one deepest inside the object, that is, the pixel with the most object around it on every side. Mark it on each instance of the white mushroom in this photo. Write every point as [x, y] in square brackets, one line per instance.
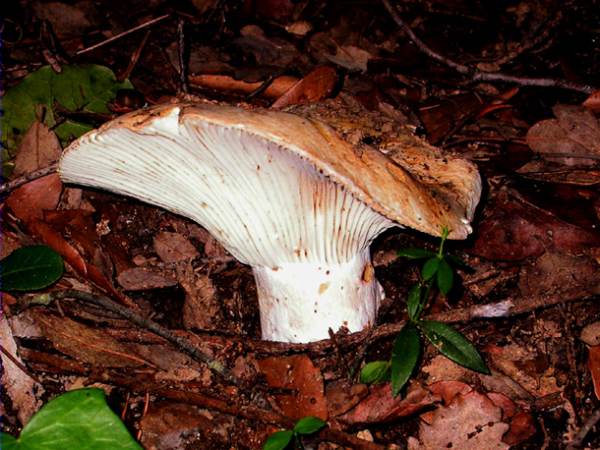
[284, 194]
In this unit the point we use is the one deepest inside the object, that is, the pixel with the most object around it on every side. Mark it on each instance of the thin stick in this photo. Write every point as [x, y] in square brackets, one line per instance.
[182, 55]
[584, 430]
[124, 33]
[20, 181]
[477, 75]
[135, 57]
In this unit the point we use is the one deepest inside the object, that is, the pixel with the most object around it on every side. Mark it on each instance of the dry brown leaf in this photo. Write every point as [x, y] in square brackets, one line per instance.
[343, 395]
[39, 148]
[575, 131]
[317, 85]
[351, 57]
[521, 365]
[29, 201]
[380, 406]
[23, 391]
[202, 308]
[174, 247]
[469, 422]
[592, 102]
[297, 373]
[226, 83]
[177, 425]
[594, 366]
[144, 278]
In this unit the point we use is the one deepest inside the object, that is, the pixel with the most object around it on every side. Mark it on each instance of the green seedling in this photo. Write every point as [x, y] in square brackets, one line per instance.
[437, 275]
[285, 438]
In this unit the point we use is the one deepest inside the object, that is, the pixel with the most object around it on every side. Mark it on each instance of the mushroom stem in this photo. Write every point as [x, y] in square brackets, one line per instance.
[300, 302]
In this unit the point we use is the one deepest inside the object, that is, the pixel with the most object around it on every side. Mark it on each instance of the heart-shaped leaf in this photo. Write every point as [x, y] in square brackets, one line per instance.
[75, 420]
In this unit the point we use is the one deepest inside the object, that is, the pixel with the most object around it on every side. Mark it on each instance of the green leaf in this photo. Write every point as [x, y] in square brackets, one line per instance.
[375, 372]
[456, 261]
[278, 440]
[79, 419]
[405, 355]
[413, 303]
[7, 442]
[453, 345]
[445, 277]
[415, 253]
[309, 425]
[86, 88]
[30, 268]
[430, 268]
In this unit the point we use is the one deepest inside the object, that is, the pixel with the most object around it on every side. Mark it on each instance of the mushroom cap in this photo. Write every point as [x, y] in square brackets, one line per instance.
[414, 184]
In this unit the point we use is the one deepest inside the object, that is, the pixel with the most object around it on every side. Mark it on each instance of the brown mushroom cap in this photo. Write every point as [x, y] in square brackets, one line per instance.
[414, 184]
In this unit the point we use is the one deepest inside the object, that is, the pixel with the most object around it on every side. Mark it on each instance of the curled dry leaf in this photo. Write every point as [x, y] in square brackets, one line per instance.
[317, 85]
[226, 83]
[592, 102]
[591, 334]
[299, 374]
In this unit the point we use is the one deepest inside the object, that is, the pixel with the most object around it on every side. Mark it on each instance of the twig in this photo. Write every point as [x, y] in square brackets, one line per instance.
[181, 342]
[182, 57]
[18, 363]
[477, 75]
[134, 58]
[577, 441]
[20, 181]
[124, 33]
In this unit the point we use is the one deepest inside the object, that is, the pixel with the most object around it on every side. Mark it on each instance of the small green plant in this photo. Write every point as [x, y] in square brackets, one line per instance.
[30, 269]
[74, 420]
[437, 274]
[304, 427]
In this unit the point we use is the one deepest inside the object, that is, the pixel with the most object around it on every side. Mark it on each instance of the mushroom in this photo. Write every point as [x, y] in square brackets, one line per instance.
[285, 193]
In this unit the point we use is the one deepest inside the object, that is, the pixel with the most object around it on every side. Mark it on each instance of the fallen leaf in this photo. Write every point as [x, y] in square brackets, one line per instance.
[22, 390]
[379, 406]
[39, 148]
[353, 58]
[558, 272]
[66, 19]
[591, 334]
[343, 396]
[575, 131]
[177, 425]
[594, 366]
[174, 247]
[299, 374]
[226, 83]
[448, 390]
[514, 230]
[470, 422]
[523, 366]
[317, 85]
[29, 201]
[592, 102]
[522, 427]
[202, 308]
[144, 278]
